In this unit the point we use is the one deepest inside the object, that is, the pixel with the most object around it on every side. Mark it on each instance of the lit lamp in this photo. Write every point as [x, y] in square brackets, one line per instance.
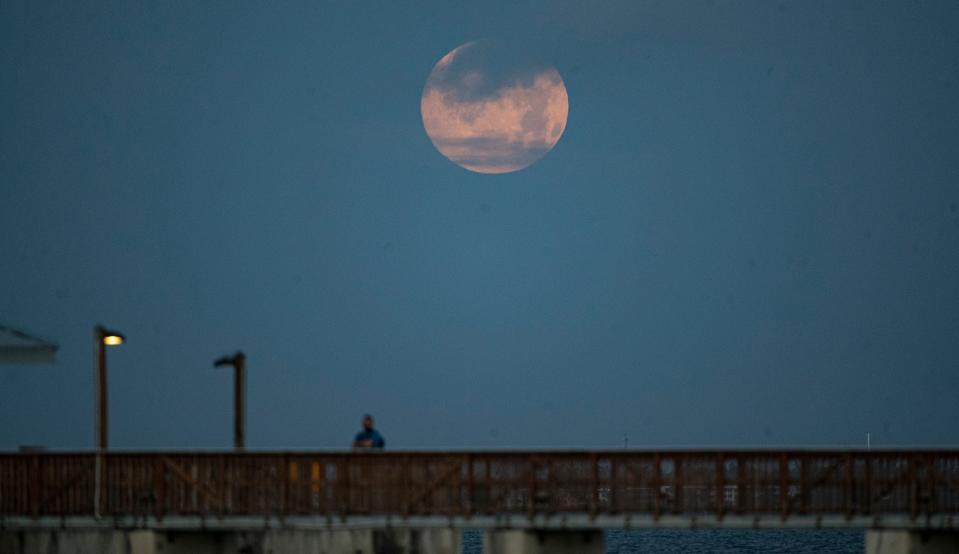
[103, 338]
[238, 361]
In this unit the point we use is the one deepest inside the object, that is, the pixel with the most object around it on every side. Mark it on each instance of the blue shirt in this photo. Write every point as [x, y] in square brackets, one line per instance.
[374, 436]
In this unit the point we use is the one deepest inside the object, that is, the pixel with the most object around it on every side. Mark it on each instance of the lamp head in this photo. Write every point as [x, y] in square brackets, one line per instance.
[110, 337]
[229, 360]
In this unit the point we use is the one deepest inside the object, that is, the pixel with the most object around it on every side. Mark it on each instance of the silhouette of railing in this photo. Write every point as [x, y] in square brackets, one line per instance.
[464, 484]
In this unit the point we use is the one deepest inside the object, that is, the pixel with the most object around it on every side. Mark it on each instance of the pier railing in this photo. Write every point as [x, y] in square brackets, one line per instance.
[464, 484]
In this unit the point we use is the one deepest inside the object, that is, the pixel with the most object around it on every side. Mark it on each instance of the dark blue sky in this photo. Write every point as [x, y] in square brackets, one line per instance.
[748, 234]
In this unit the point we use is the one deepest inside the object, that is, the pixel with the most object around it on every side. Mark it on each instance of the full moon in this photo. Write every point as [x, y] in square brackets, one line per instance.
[492, 109]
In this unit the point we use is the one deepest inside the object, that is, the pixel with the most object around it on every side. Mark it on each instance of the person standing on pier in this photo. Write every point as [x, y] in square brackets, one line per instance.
[368, 437]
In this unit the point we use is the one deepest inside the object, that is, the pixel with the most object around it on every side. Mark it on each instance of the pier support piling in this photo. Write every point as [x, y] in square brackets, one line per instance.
[541, 541]
[898, 541]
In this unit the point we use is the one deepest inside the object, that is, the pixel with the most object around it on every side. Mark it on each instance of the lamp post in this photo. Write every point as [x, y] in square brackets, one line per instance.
[103, 338]
[238, 361]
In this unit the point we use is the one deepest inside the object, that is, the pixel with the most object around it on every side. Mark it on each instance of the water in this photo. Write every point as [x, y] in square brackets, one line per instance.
[718, 541]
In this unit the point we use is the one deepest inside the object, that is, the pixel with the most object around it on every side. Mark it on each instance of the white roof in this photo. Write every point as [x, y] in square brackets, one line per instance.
[19, 347]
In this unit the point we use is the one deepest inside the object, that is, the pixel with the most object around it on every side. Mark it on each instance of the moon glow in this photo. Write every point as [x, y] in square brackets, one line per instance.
[490, 110]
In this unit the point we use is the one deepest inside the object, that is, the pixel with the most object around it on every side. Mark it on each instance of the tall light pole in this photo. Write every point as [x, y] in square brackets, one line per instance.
[238, 361]
[103, 338]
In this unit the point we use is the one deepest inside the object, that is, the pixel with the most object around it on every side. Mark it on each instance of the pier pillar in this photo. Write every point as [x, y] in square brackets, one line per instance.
[285, 541]
[144, 542]
[542, 541]
[62, 542]
[889, 541]
[364, 541]
[421, 541]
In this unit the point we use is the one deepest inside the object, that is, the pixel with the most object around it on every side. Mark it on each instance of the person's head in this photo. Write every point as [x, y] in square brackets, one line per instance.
[368, 422]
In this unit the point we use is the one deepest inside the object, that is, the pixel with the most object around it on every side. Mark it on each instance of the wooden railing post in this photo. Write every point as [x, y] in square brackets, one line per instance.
[657, 486]
[407, 472]
[105, 485]
[159, 488]
[720, 486]
[743, 490]
[804, 492]
[487, 484]
[346, 502]
[679, 483]
[594, 507]
[35, 488]
[784, 486]
[283, 474]
[614, 496]
[849, 485]
[221, 485]
[472, 489]
[914, 488]
[530, 487]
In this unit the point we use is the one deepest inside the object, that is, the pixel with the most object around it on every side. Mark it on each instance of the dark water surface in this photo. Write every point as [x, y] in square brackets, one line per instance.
[703, 541]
